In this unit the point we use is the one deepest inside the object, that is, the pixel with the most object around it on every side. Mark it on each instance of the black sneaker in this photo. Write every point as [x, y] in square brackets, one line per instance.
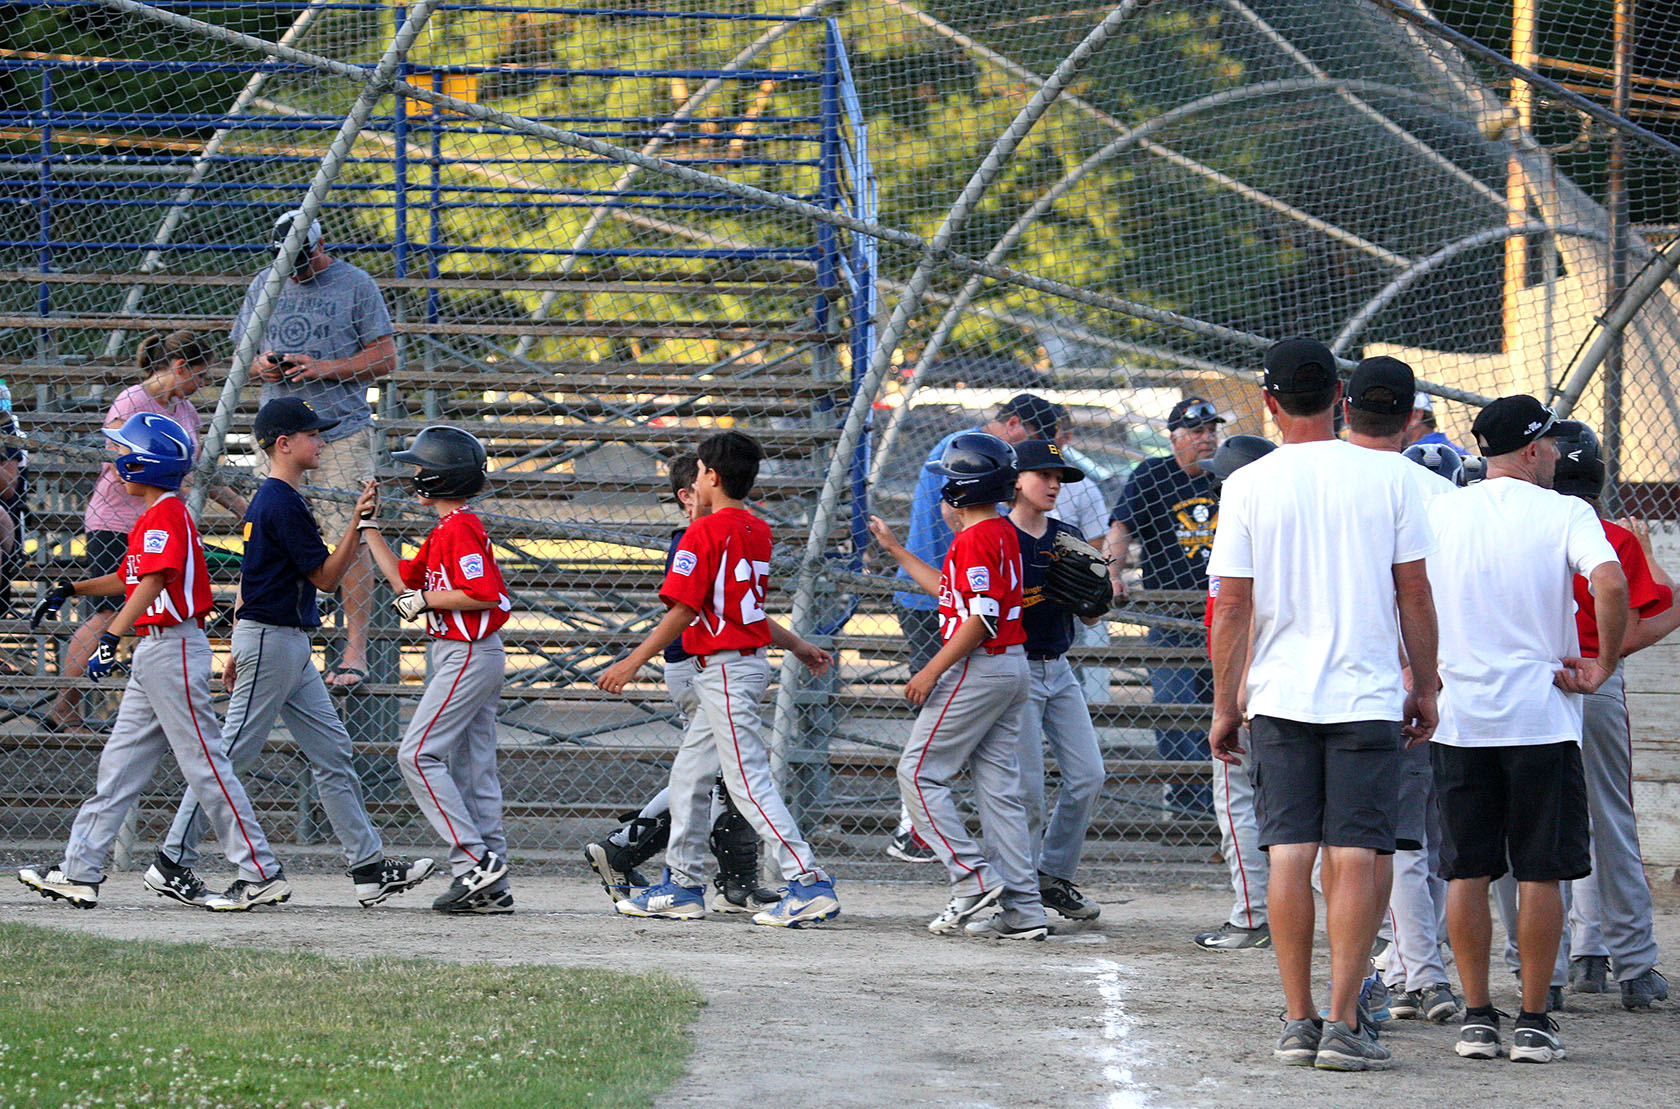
[1478, 1036]
[1061, 895]
[485, 872]
[379, 879]
[1234, 937]
[497, 900]
[178, 883]
[243, 896]
[1535, 1040]
[1589, 973]
[910, 847]
[1638, 993]
[742, 894]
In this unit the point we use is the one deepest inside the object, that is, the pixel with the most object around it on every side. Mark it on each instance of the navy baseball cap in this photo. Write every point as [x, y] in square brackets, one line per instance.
[1382, 385]
[286, 416]
[1511, 423]
[1299, 366]
[1041, 454]
[1036, 412]
[1193, 412]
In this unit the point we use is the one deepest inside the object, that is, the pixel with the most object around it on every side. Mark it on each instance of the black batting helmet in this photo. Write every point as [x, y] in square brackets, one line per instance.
[981, 469]
[1580, 466]
[1235, 453]
[1438, 459]
[451, 462]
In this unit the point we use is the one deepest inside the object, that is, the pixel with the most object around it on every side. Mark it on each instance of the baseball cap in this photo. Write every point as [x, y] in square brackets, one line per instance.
[1036, 412]
[1423, 402]
[1299, 366]
[1382, 385]
[1511, 423]
[1041, 454]
[286, 416]
[1193, 412]
[283, 227]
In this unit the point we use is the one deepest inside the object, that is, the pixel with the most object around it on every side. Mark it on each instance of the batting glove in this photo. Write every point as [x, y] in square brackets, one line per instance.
[104, 658]
[411, 604]
[51, 601]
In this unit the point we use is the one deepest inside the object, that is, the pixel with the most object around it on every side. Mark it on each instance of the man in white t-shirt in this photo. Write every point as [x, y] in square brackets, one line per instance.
[1507, 755]
[1321, 546]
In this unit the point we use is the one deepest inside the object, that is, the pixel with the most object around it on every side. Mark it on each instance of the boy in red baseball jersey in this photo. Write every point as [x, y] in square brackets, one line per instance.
[166, 704]
[972, 694]
[715, 592]
[448, 755]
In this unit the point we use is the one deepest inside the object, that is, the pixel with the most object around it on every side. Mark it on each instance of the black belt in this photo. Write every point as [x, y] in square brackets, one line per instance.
[1043, 656]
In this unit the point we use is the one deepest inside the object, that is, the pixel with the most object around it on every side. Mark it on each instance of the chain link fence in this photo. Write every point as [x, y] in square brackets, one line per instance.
[847, 228]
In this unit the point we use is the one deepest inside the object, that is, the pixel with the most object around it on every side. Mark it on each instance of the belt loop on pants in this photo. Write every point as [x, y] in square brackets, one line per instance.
[144, 630]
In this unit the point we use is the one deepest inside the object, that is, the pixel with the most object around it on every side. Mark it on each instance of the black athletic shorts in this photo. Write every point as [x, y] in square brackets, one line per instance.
[105, 551]
[1528, 804]
[1335, 784]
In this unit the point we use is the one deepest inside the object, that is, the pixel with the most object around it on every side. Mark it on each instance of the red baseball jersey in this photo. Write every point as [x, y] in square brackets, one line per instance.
[982, 576]
[165, 541]
[457, 555]
[721, 570]
[1645, 596]
[1207, 612]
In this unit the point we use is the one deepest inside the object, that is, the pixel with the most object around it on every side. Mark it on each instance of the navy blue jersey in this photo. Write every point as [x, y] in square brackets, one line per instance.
[1172, 516]
[1049, 628]
[675, 652]
[282, 548]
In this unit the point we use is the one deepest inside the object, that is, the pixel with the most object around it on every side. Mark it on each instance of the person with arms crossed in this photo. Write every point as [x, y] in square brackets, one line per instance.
[1507, 755]
[1320, 550]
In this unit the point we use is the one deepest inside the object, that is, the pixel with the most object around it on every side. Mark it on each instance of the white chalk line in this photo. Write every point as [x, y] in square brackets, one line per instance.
[1120, 1050]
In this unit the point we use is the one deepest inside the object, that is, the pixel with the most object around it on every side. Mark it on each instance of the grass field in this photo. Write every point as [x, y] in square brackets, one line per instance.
[86, 1021]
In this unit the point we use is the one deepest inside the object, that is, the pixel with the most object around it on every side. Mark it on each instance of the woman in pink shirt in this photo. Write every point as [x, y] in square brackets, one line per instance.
[172, 368]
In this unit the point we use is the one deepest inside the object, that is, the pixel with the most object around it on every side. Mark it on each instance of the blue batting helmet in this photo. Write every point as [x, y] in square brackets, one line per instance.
[160, 452]
[981, 469]
[1438, 459]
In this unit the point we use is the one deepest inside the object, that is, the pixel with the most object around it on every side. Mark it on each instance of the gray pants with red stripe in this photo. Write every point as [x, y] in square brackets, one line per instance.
[973, 718]
[448, 755]
[725, 735]
[1239, 839]
[166, 707]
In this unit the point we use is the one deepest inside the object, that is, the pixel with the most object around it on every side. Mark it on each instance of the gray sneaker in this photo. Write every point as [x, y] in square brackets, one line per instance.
[1298, 1046]
[1638, 993]
[1438, 1003]
[1536, 1043]
[1589, 973]
[1232, 937]
[998, 929]
[1342, 1048]
[1478, 1037]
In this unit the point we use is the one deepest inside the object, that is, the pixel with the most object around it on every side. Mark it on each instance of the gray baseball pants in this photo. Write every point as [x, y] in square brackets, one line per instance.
[1505, 890]
[1417, 902]
[1610, 913]
[725, 735]
[166, 706]
[1239, 841]
[973, 718]
[448, 754]
[276, 678]
[1056, 713]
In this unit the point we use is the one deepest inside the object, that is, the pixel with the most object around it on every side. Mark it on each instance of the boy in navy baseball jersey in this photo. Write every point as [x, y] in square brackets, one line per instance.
[270, 673]
[715, 592]
[448, 755]
[972, 695]
[166, 705]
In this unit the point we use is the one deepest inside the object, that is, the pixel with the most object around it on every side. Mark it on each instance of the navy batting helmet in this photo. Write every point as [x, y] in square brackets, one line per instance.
[451, 462]
[160, 453]
[981, 469]
[1475, 469]
[1235, 453]
[1438, 459]
[1580, 466]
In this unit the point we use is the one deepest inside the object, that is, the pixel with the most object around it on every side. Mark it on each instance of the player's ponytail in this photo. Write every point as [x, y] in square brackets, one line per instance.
[156, 352]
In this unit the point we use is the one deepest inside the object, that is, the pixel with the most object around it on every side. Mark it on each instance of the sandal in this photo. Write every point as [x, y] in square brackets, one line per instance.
[342, 688]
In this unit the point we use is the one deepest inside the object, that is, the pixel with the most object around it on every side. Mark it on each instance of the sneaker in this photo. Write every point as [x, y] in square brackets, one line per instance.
[996, 928]
[1638, 993]
[1061, 895]
[48, 880]
[243, 896]
[804, 904]
[1343, 1048]
[497, 899]
[1478, 1036]
[1589, 973]
[1406, 1005]
[619, 884]
[379, 879]
[742, 896]
[1554, 999]
[666, 901]
[959, 909]
[484, 873]
[1298, 1046]
[1536, 1042]
[179, 883]
[1439, 1003]
[1231, 937]
[1373, 1000]
[910, 847]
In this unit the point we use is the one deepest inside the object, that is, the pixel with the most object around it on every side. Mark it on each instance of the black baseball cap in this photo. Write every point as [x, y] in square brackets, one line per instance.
[1193, 412]
[1299, 366]
[1036, 412]
[286, 416]
[1511, 423]
[1382, 385]
[1041, 454]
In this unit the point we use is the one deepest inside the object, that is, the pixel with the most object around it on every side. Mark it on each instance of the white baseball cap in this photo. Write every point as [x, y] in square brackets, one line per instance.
[1422, 402]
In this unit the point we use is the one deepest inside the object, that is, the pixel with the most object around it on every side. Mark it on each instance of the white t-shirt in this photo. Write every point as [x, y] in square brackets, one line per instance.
[1502, 579]
[1319, 527]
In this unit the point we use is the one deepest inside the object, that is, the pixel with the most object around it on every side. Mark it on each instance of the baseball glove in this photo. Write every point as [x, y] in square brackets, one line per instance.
[1077, 579]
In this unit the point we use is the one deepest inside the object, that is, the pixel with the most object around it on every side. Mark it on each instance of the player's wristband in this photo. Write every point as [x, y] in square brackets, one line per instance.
[367, 525]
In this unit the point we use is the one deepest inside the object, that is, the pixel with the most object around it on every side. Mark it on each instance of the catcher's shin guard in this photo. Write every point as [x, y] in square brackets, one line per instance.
[616, 862]
[735, 846]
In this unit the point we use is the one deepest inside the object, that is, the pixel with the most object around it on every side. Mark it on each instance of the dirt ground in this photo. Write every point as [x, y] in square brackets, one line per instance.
[871, 1010]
